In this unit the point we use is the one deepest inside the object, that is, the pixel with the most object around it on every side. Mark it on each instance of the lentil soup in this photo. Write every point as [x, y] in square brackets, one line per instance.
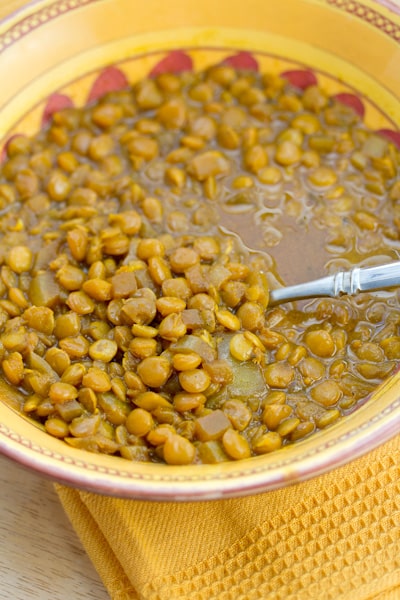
[139, 238]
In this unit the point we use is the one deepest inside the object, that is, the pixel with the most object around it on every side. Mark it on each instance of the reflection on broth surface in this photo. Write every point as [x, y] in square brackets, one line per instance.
[140, 236]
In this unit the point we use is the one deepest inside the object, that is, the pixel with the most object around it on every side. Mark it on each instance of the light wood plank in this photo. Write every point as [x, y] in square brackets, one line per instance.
[41, 557]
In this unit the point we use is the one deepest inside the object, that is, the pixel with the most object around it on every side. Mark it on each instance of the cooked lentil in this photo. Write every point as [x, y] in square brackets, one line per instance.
[134, 325]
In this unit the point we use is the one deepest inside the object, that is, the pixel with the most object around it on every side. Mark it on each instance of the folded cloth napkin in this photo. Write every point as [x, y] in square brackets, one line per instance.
[335, 537]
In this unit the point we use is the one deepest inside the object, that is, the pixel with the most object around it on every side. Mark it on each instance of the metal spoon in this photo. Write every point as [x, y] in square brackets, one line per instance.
[358, 279]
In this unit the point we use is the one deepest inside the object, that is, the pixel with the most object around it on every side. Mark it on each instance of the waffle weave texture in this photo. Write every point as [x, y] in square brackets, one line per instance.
[335, 537]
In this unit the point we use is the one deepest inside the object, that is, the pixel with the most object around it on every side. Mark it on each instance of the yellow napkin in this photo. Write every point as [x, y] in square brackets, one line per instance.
[334, 537]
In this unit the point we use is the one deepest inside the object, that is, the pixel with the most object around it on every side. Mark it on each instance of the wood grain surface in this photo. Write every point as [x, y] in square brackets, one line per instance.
[41, 556]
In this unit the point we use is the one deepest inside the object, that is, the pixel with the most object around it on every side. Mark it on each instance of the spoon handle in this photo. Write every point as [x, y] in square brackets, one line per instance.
[358, 279]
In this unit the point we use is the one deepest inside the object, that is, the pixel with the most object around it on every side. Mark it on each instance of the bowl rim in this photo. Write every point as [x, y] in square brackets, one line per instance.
[201, 482]
[335, 447]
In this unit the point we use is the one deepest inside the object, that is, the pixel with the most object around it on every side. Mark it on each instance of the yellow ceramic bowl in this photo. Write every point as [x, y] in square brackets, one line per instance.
[55, 53]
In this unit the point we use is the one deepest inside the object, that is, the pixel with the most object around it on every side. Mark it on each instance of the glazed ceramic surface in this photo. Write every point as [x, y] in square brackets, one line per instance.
[61, 53]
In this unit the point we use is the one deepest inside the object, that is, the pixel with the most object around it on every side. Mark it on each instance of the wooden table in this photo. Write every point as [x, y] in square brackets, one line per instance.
[41, 557]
